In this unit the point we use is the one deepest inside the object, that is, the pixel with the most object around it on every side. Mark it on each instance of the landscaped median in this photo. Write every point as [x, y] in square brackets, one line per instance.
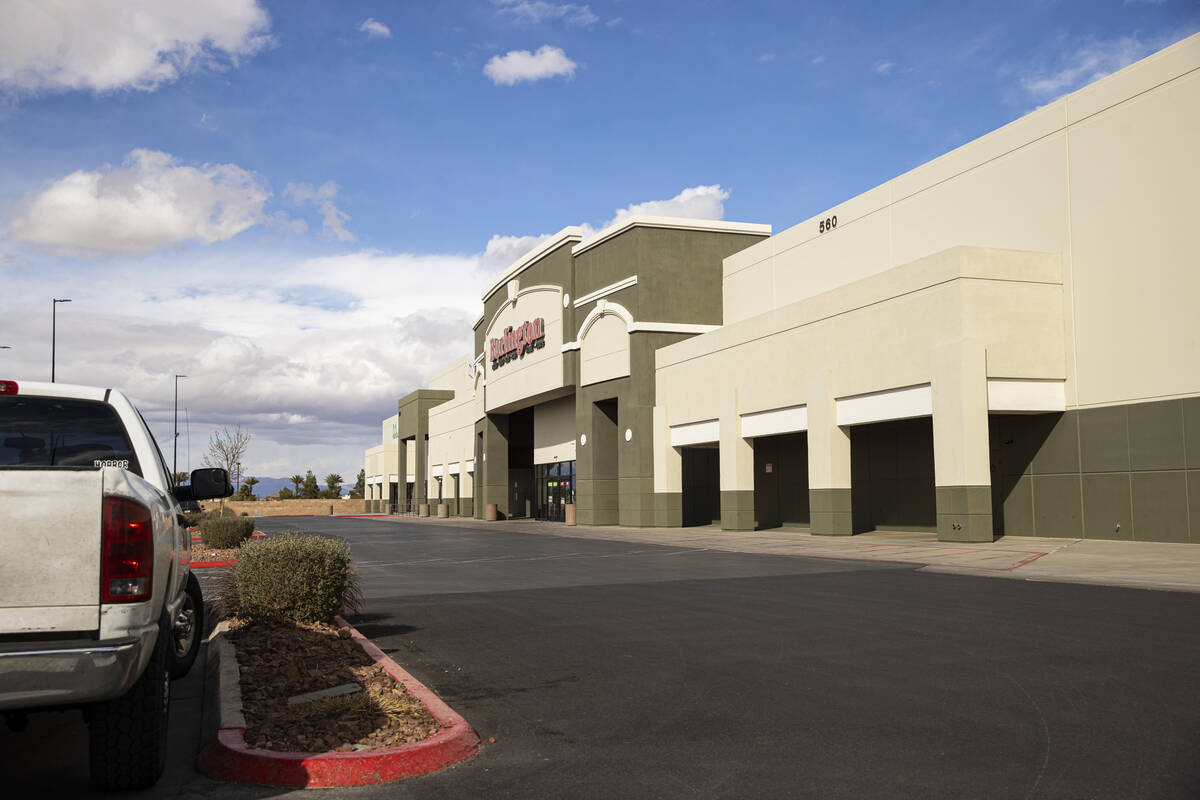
[218, 537]
[303, 702]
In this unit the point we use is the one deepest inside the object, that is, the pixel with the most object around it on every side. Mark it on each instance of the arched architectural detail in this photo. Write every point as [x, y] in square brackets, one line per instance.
[516, 298]
[604, 344]
[604, 307]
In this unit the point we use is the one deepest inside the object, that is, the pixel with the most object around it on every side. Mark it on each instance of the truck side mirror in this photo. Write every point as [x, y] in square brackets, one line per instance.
[209, 483]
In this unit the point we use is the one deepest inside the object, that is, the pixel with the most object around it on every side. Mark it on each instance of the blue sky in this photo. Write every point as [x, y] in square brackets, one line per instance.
[297, 203]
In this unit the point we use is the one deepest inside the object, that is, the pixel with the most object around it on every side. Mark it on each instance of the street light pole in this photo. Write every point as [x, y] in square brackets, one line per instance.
[54, 331]
[175, 439]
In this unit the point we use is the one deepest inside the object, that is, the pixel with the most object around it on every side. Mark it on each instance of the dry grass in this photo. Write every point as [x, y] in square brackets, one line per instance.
[349, 706]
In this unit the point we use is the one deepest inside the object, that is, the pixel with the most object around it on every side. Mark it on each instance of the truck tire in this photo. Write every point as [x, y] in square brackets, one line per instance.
[187, 630]
[127, 737]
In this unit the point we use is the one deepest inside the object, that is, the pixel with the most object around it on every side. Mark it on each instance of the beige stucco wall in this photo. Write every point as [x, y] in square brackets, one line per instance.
[380, 461]
[604, 349]
[452, 429]
[538, 371]
[876, 334]
[1105, 177]
[554, 431]
[373, 469]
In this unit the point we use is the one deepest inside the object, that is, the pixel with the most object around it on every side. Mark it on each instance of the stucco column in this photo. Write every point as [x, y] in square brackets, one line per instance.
[495, 463]
[829, 487]
[421, 459]
[737, 468]
[401, 474]
[961, 464]
[668, 475]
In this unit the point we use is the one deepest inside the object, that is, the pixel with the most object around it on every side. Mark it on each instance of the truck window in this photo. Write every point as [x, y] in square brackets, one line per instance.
[162, 462]
[60, 432]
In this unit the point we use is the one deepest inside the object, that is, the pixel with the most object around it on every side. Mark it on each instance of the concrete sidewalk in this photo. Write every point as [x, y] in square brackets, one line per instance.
[1143, 565]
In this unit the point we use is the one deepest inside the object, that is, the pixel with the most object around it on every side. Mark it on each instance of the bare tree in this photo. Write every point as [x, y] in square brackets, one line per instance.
[226, 448]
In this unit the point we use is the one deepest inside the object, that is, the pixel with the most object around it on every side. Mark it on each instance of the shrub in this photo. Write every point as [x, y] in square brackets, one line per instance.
[193, 518]
[292, 578]
[225, 531]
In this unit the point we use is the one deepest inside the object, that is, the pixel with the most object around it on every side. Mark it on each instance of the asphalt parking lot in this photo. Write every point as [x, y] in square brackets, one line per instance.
[615, 669]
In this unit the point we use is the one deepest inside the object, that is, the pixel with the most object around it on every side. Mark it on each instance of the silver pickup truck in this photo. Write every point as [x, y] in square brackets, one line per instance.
[98, 606]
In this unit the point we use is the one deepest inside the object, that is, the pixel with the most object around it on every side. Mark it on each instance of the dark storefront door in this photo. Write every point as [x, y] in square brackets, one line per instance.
[520, 492]
[555, 489]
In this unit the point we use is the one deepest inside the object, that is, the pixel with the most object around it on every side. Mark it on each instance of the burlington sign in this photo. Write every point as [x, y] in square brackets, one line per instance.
[516, 342]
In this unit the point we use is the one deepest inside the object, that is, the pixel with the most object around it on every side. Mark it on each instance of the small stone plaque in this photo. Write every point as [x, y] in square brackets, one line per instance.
[335, 691]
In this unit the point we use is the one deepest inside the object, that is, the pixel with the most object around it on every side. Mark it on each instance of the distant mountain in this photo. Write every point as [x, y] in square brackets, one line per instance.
[266, 486]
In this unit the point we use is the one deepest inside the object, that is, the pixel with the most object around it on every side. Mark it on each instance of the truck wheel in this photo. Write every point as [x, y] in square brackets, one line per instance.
[127, 737]
[188, 629]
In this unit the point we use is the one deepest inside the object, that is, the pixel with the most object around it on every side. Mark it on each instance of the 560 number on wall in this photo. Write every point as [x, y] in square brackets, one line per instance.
[827, 224]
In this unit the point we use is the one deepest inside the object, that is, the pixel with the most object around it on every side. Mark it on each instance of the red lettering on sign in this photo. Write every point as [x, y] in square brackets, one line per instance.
[515, 343]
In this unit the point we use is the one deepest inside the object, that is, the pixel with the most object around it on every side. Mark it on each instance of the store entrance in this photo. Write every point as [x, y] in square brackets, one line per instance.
[555, 486]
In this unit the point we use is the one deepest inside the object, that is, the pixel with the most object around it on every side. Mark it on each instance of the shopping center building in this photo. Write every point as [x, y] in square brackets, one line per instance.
[1002, 340]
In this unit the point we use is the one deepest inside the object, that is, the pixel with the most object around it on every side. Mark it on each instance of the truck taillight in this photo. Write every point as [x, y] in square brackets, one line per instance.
[127, 552]
[8, 387]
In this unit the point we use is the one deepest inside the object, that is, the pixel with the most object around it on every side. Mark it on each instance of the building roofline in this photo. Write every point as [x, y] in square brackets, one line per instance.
[570, 233]
[677, 223]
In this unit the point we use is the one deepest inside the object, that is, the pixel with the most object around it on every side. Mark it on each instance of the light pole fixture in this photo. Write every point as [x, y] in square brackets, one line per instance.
[54, 330]
[175, 438]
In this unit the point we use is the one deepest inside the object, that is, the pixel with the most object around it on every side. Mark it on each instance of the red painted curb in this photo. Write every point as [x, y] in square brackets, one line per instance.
[212, 564]
[227, 758]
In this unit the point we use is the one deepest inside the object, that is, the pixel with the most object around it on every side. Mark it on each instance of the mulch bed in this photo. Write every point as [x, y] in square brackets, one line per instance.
[281, 661]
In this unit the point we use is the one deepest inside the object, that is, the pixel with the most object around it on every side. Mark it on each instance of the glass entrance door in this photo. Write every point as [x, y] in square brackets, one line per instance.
[555, 489]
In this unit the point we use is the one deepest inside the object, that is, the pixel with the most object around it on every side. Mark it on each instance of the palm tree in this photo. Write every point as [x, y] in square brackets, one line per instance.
[296, 481]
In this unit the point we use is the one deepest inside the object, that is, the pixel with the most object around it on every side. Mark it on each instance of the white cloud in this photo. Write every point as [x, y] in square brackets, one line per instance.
[522, 65]
[307, 353]
[334, 221]
[150, 201]
[817, 59]
[502, 251]
[696, 202]
[766, 58]
[374, 29]
[533, 12]
[105, 45]
[1087, 63]
[884, 67]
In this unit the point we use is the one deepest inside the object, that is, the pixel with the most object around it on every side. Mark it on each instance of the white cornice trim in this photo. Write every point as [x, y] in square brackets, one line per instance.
[571, 233]
[606, 291]
[904, 403]
[679, 223]
[670, 327]
[1010, 394]
[569, 346]
[696, 433]
[479, 320]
